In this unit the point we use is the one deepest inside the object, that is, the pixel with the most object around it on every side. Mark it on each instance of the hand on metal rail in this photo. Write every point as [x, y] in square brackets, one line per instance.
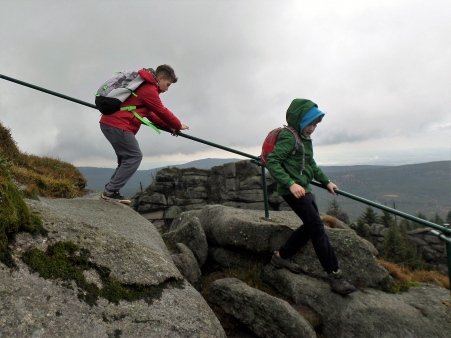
[176, 132]
[330, 187]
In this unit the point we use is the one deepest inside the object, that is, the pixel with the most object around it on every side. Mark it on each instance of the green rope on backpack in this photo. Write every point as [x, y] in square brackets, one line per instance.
[147, 123]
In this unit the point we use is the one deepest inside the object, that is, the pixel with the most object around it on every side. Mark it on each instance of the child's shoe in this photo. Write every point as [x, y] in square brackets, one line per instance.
[114, 196]
[279, 262]
[340, 285]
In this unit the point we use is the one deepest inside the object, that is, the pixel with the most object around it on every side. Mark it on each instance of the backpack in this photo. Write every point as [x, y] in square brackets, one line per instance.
[270, 143]
[116, 90]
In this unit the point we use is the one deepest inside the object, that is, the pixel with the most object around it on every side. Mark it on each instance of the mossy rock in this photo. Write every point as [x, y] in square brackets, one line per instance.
[14, 216]
[66, 262]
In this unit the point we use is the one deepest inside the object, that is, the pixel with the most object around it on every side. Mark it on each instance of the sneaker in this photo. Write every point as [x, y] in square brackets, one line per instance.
[279, 262]
[114, 196]
[340, 285]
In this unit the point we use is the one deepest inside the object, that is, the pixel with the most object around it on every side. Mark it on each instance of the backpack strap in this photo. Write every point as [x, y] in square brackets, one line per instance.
[297, 144]
[296, 136]
[147, 123]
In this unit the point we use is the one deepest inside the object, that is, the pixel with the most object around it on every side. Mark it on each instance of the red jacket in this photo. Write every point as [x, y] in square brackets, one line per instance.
[148, 94]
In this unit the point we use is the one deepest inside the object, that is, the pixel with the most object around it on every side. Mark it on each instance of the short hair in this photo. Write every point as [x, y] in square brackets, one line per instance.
[167, 72]
[317, 120]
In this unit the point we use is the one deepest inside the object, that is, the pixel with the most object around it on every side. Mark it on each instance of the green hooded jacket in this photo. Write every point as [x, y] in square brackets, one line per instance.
[285, 167]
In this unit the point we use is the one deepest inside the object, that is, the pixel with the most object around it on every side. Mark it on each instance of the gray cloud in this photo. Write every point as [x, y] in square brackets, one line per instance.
[378, 70]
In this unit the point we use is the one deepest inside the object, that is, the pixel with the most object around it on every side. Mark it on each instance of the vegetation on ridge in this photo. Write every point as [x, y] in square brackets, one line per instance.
[43, 176]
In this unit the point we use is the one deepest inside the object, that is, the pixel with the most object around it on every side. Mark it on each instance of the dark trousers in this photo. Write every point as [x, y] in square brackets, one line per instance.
[128, 154]
[311, 229]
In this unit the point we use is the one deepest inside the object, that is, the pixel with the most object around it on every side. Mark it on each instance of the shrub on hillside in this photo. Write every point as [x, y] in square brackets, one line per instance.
[398, 249]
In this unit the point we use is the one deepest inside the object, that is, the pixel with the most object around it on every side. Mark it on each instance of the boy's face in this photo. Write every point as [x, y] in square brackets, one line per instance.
[307, 131]
[163, 83]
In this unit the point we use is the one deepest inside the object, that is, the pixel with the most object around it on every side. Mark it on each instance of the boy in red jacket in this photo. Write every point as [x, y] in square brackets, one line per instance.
[121, 127]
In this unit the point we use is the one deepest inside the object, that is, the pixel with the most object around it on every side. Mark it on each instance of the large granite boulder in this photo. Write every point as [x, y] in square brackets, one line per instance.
[419, 312]
[234, 231]
[193, 236]
[125, 284]
[265, 315]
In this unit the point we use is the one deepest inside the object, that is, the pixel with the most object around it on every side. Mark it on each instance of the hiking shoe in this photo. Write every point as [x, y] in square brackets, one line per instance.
[279, 262]
[114, 196]
[340, 285]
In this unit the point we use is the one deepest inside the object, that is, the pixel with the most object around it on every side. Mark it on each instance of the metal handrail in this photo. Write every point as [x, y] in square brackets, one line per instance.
[443, 235]
[390, 210]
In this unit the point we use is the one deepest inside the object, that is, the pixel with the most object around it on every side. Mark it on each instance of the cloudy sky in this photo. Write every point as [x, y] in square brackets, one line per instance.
[380, 70]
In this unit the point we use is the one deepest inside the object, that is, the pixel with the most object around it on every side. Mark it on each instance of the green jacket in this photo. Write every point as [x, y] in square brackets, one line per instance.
[285, 167]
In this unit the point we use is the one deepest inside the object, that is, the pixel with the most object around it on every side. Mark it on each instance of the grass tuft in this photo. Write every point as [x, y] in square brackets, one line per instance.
[404, 278]
[330, 221]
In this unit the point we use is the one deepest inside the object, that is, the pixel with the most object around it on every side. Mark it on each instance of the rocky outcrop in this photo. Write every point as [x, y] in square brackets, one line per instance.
[230, 232]
[123, 281]
[174, 191]
[266, 315]
[239, 185]
[120, 279]
[419, 312]
[239, 239]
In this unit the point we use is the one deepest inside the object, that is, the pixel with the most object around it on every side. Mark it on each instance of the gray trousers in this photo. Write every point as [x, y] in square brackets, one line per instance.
[128, 154]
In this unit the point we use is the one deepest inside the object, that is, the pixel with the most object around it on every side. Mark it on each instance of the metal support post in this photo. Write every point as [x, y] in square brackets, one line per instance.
[265, 193]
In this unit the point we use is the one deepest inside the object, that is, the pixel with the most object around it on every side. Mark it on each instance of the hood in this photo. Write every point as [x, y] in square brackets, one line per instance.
[296, 111]
[149, 77]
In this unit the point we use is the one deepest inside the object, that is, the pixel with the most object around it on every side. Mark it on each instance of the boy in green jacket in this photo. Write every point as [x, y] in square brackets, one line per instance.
[293, 173]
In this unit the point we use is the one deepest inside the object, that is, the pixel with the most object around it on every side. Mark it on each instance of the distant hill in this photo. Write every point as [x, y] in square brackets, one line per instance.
[98, 177]
[424, 187]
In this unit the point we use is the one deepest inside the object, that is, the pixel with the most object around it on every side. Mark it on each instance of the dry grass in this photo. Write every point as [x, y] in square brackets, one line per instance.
[330, 221]
[431, 277]
[404, 277]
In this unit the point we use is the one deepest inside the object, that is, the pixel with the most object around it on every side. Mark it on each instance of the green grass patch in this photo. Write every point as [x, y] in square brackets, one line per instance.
[65, 261]
[14, 215]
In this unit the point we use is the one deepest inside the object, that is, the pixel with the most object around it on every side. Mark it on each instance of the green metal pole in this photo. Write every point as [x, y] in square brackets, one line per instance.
[265, 193]
[448, 256]
[48, 91]
[393, 211]
[93, 106]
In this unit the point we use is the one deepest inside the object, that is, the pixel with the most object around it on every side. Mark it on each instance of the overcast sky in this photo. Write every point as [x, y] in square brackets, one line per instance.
[380, 70]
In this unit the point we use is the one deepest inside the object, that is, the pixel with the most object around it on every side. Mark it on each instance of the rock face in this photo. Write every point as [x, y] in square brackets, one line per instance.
[419, 312]
[230, 232]
[127, 254]
[266, 315]
[176, 190]
[237, 238]
[239, 185]
[131, 285]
